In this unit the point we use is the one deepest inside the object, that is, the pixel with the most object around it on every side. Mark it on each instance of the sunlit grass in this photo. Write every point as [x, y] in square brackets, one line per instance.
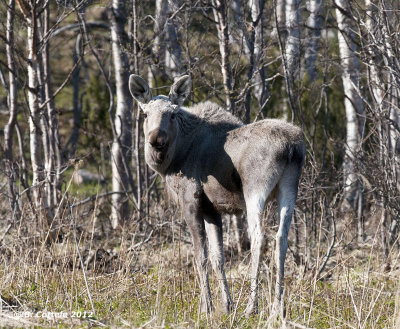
[157, 287]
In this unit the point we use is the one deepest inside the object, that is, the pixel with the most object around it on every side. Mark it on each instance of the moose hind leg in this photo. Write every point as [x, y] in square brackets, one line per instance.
[216, 252]
[255, 208]
[287, 193]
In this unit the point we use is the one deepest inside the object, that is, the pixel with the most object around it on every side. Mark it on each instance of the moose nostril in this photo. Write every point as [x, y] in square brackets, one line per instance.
[160, 141]
[157, 138]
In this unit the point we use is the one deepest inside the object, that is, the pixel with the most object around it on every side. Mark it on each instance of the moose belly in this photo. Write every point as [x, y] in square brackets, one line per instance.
[223, 199]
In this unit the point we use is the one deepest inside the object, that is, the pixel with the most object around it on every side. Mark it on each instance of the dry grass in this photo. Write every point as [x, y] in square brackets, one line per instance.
[146, 279]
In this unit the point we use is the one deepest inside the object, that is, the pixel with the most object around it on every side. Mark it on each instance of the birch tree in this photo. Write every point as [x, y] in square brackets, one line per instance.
[50, 129]
[166, 49]
[173, 51]
[314, 22]
[43, 123]
[292, 47]
[123, 118]
[251, 36]
[280, 16]
[220, 16]
[254, 41]
[384, 85]
[260, 89]
[353, 104]
[30, 11]
[287, 23]
[12, 108]
[136, 158]
[158, 48]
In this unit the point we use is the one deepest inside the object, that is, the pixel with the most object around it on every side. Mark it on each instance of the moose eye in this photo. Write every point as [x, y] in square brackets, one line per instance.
[173, 116]
[144, 115]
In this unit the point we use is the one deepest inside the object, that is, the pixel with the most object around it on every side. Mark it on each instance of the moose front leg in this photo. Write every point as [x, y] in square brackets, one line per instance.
[195, 222]
[216, 250]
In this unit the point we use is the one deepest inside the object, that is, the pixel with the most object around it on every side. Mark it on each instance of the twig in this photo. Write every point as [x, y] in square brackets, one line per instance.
[5, 232]
[77, 26]
[98, 196]
[329, 251]
[296, 325]
[81, 260]
[140, 243]
[41, 106]
[353, 301]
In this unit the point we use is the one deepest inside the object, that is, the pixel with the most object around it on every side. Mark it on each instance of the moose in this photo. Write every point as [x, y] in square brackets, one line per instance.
[213, 164]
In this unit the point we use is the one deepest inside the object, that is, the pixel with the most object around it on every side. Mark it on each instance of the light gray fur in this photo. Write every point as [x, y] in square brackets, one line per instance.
[213, 164]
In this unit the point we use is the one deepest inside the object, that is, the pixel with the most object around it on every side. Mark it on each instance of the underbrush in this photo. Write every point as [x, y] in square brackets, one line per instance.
[143, 276]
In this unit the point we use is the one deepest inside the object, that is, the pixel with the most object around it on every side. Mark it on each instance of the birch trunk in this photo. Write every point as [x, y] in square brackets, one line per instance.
[385, 95]
[391, 42]
[353, 105]
[12, 107]
[314, 23]
[46, 187]
[220, 16]
[238, 17]
[260, 88]
[136, 157]
[35, 132]
[123, 119]
[53, 166]
[281, 15]
[173, 54]
[287, 20]
[158, 49]
[292, 47]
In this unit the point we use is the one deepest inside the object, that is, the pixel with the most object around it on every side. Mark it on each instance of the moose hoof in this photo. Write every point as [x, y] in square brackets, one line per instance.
[278, 308]
[227, 307]
[251, 309]
[206, 308]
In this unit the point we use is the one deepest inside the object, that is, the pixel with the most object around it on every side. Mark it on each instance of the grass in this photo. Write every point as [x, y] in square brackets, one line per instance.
[143, 277]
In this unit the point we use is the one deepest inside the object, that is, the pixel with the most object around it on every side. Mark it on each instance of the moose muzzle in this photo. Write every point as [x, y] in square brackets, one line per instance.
[158, 139]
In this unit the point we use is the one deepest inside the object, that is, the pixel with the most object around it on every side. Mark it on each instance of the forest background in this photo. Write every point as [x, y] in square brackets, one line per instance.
[85, 225]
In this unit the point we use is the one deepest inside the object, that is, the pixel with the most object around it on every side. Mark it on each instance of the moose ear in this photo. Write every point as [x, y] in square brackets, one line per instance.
[139, 89]
[180, 90]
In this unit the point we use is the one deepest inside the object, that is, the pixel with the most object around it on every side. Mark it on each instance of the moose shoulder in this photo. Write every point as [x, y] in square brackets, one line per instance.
[213, 164]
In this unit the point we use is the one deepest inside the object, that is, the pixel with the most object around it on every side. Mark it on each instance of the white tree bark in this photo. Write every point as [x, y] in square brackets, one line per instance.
[12, 107]
[220, 16]
[292, 47]
[280, 26]
[385, 95]
[173, 50]
[260, 88]
[123, 118]
[314, 23]
[158, 49]
[353, 104]
[390, 36]
[53, 156]
[166, 48]
[238, 18]
[136, 118]
[35, 116]
[43, 127]
[288, 20]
